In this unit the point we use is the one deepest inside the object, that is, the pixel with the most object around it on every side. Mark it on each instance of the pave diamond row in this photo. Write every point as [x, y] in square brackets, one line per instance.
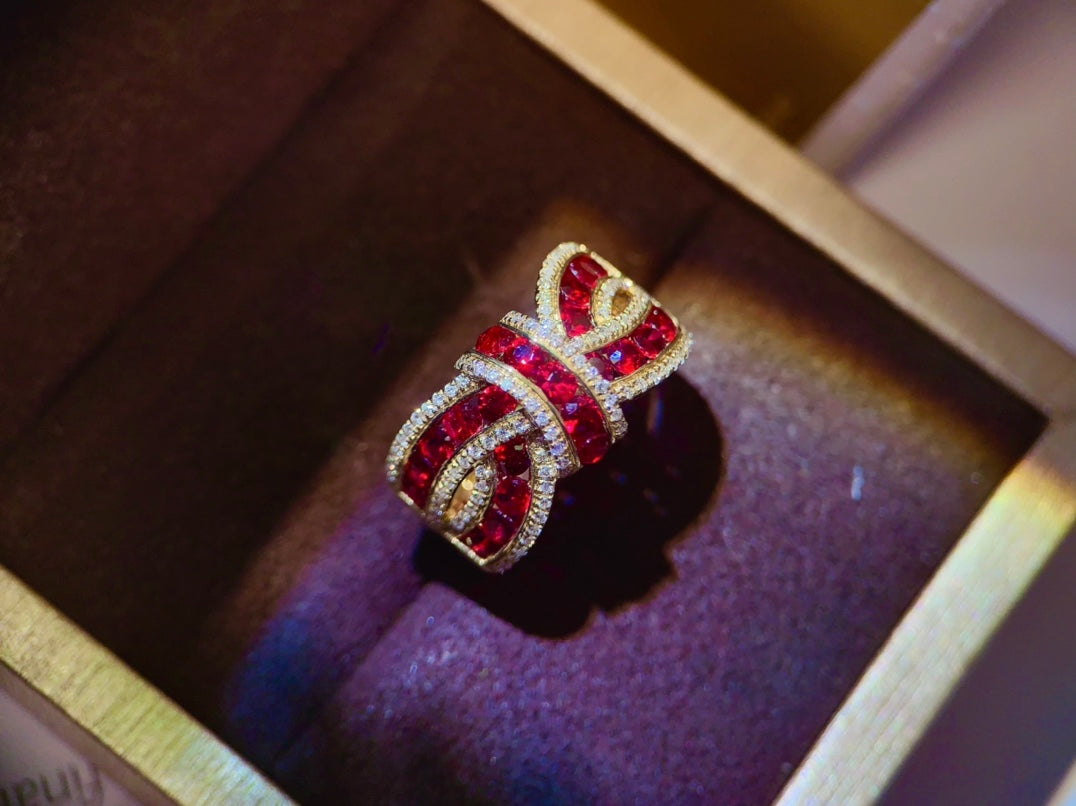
[455, 390]
[472, 511]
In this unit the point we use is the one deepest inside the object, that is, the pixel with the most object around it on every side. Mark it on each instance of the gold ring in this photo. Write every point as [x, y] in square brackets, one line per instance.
[534, 401]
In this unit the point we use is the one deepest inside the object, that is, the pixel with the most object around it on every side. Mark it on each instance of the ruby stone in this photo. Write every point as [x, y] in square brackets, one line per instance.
[650, 342]
[528, 358]
[512, 457]
[577, 284]
[446, 434]
[623, 355]
[581, 414]
[576, 320]
[586, 270]
[559, 384]
[498, 340]
[491, 535]
[502, 520]
[662, 322]
[512, 498]
[416, 479]
[656, 332]
[463, 420]
[494, 403]
[435, 445]
[586, 426]
[431, 451]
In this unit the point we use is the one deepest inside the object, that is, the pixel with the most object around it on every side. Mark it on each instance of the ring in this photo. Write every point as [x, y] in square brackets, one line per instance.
[534, 401]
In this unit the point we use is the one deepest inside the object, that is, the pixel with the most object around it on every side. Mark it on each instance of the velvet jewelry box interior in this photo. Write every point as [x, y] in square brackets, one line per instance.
[243, 244]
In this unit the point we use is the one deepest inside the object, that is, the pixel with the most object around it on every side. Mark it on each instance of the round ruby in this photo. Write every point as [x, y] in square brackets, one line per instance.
[494, 403]
[625, 355]
[435, 445]
[462, 421]
[512, 498]
[513, 457]
[559, 384]
[497, 340]
[586, 270]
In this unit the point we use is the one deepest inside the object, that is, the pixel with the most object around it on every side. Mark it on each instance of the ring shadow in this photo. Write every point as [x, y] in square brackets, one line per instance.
[604, 545]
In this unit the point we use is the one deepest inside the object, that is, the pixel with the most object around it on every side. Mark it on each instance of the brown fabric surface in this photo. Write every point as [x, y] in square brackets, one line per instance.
[123, 125]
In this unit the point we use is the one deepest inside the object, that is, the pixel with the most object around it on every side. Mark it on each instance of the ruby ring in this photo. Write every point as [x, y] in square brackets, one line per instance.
[535, 400]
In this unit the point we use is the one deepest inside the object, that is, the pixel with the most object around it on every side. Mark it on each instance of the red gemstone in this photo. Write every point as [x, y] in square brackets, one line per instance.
[492, 534]
[513, 457]
[607, 370]
[434, 446]
[535, 364]
[497, 340]
[494, 403]
[462, 421]
[586, 270]
[593, 448]
[652, 336]
[624, 355]
[586, 425]
[559, 384]
[527, 358]
[576, 321]
[574, 294]
[663, 323]
[416, 480]
[512, 498]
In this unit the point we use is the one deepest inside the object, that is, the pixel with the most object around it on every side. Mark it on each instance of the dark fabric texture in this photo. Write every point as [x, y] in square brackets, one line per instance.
[204, 492]
[123, 126]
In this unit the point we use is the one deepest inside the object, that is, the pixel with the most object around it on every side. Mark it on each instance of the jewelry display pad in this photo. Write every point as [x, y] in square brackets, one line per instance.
[205, 495]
